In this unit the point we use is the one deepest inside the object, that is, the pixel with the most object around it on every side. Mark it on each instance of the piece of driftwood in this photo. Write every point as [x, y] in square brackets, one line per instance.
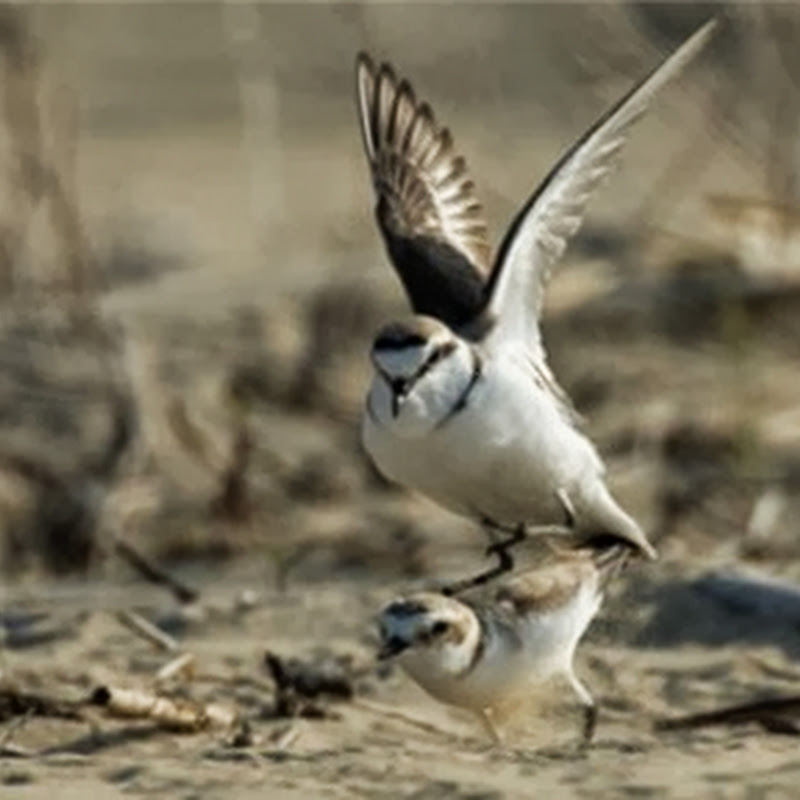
[181, 716]
[154, 573]
[775, 715]
[753, 593]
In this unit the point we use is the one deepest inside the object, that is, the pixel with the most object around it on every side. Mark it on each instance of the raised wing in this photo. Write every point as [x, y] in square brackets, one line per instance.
[541, 230]
[428, 214]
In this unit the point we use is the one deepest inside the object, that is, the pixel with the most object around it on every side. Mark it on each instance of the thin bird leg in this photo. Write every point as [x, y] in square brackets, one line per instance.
[505, 564]
[589, 708]
[566, 504]
[500, 549]
[589, 725]
[499, 546]
[519, 533]
[487, 718]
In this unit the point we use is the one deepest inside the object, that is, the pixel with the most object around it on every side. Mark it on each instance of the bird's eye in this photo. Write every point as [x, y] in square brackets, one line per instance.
[438, 354]
[440, 627]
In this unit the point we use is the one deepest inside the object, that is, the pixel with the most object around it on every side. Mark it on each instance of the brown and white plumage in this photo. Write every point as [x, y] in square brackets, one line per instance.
[541, 590]
[427, 208]
[488, 653]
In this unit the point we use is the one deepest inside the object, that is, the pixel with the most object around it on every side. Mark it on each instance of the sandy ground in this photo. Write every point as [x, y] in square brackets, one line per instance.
[259, 257]
[363, 750]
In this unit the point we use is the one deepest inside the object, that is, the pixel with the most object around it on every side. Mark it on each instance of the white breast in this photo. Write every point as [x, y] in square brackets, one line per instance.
[503, 456]
[551, 639]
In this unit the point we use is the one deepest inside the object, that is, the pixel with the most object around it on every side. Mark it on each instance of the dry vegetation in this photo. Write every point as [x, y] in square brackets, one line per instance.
[193, 544]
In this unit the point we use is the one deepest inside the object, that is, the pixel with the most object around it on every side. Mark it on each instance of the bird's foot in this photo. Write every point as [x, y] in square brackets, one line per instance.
[500, 547]
[500, 550]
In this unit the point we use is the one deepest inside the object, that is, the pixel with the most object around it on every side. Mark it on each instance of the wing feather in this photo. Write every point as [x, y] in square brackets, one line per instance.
[427, 209]
[541, 231]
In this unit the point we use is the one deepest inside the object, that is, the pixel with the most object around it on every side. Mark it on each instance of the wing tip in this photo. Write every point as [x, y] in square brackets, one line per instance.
[364, 62]
[402, 135]
[689, 49]
[365, 89]
[708, 28]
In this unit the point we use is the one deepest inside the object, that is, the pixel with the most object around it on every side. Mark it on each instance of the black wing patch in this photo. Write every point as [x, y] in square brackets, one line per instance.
[427, 211]
[439, 280]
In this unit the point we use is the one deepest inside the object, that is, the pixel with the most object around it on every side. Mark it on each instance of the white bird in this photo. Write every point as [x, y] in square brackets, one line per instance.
[485, 656]
[463, 406]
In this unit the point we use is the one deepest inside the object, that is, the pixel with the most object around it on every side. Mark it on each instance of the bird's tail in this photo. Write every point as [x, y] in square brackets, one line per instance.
[613, 526]
[611, 560]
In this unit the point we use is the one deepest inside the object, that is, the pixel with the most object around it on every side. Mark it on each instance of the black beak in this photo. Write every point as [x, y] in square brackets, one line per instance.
[400, 388]
[392, 646]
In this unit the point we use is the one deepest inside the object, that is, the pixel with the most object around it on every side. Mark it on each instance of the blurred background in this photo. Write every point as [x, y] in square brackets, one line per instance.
[190, 277]
[190, 273]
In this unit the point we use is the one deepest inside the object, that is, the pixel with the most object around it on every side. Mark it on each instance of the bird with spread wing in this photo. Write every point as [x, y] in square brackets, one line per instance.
[463, 406]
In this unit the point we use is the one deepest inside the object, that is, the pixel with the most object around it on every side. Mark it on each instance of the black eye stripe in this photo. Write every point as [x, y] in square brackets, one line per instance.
[405, 608]
[403, 385]
[437, 355]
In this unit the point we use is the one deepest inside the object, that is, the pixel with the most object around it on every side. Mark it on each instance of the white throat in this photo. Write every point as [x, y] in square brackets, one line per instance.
[432, 394]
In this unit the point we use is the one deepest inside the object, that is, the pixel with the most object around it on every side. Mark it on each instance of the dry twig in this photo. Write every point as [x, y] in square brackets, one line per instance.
[775, 715]
[401, 716]
[154, 573]
[137, 624]
[183, 665]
